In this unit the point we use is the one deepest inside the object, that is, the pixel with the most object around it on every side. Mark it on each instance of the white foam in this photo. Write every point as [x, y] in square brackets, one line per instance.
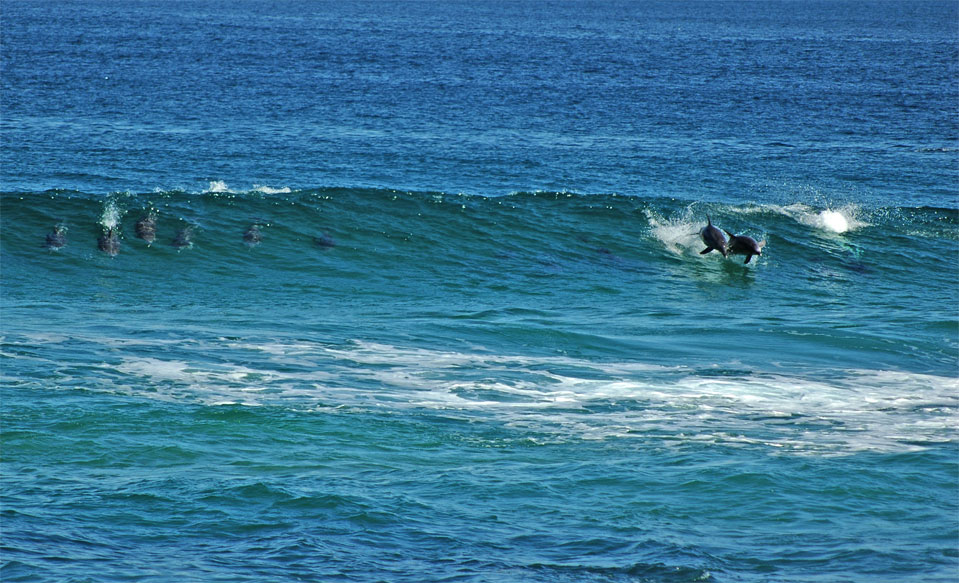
[220, 383]
[42, 337]
[268, 190]
[170, 370]
[217, 187]
[569, 398]
[834, 221]
[221, 187]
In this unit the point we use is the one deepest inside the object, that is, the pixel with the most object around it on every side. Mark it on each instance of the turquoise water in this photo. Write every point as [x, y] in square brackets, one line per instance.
[476, 340]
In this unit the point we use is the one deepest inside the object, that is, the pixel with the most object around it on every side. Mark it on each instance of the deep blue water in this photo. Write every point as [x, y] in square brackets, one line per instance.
[472, 336]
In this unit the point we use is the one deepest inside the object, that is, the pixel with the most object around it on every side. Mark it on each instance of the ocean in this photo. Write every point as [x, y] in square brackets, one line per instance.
[414, 292]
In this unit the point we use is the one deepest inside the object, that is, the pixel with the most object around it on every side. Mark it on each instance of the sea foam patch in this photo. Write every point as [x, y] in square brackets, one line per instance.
[552, 397]
[570, 398]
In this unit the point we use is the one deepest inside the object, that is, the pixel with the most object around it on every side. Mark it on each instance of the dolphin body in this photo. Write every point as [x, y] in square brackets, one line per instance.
[713, 238]
[147, 228]
[324, 241]
[56, 238]
[743, 245]
[183, 238]
[109, 242]
[252, 235]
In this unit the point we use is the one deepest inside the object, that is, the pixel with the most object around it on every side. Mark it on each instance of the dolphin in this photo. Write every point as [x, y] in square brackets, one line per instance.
[743, 245]
[252, 235]
[325, 241]
[109, 242]
[56, 238]
[147, 227]
[713, 238]
[183, 238]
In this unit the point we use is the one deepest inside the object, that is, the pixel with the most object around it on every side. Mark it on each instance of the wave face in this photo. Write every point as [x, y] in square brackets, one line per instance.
[848, 287]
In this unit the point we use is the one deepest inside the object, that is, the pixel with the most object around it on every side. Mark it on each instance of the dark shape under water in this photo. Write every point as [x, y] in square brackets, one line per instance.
[325, 241]
[743, 245]
[146, 228]
[56, 238]
[713, 238]
[252, 235]
[109, 242]
[184, 238]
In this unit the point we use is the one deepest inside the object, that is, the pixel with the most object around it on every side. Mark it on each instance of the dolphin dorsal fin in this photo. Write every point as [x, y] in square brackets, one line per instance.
[729, 233]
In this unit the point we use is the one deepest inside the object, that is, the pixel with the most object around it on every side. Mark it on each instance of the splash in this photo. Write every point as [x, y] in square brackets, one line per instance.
[834, 221]
[841, 220]
[678, 235]
[831, 220]
[111, 215]
[217, 187]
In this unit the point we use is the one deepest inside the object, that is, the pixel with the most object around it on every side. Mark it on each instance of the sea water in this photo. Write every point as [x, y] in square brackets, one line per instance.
[476, 339]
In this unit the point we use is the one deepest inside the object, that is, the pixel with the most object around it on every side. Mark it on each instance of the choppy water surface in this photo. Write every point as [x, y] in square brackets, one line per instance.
[421, 295]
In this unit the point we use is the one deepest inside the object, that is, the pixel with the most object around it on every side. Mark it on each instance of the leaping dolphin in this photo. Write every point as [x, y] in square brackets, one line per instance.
[743, 245]
[713, 238]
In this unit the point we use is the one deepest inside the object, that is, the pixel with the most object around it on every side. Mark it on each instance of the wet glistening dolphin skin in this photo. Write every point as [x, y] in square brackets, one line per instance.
[744, 245]
[713, 238]
[109, 242]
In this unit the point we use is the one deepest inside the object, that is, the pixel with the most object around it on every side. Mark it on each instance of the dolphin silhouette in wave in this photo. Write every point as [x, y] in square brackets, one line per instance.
[56, 238]
[184, 238]
[252, 236]
[109, 242]
[146, 227]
